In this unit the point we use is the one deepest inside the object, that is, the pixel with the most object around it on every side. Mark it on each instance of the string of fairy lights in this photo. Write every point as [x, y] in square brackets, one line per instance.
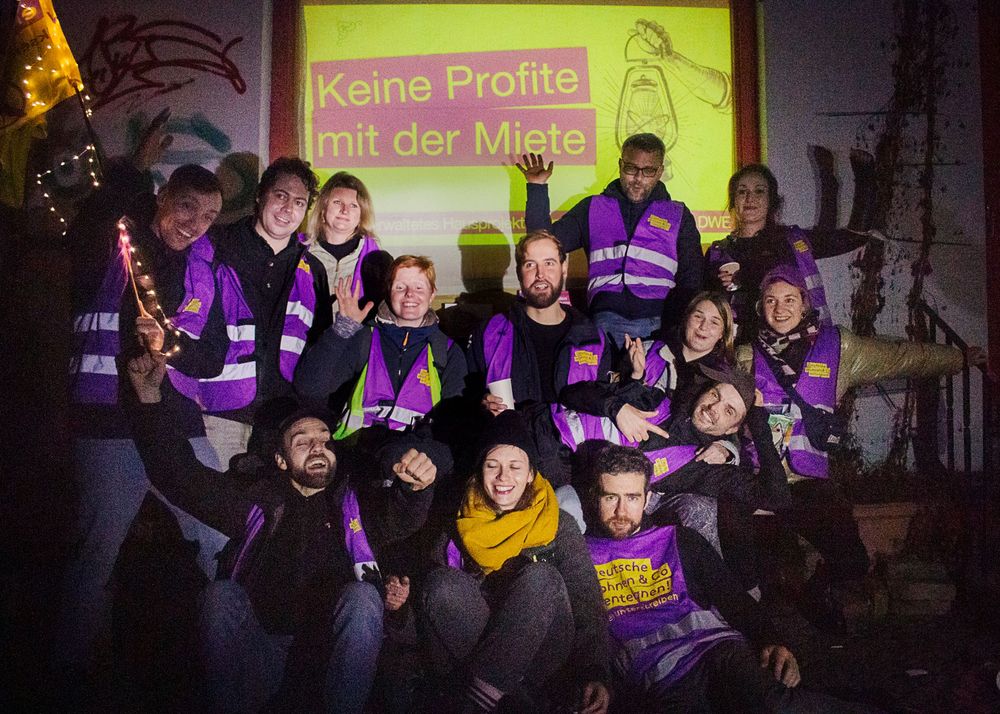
[89, 154]
[48, 79]
[150, 306]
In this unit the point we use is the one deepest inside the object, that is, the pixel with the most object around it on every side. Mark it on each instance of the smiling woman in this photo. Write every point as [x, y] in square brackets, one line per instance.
[516, 597]
[399, 365]
[759, 242]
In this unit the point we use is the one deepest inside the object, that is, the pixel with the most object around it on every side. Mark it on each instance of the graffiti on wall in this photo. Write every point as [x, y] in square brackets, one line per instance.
[141, 60]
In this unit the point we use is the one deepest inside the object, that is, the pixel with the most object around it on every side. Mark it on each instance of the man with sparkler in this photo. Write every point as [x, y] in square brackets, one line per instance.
[142, 263]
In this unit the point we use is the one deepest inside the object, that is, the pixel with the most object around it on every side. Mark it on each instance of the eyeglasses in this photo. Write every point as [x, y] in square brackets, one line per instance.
[631, 169]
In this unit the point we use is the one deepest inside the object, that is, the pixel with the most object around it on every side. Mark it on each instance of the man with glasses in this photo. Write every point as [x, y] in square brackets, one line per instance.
[643, 248]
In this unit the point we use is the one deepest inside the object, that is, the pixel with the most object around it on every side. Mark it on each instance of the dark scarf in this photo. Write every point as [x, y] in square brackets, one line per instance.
[789, 351]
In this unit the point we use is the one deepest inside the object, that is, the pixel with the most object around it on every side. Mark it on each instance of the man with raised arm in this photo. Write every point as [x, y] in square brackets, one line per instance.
[298, 610]
[643, 248]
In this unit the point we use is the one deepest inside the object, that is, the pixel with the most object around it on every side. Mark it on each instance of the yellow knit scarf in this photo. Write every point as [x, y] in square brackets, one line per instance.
[491, 539]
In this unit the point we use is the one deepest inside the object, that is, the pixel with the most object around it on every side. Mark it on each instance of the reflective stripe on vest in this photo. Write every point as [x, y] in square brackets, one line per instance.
[93, 370]
[374, 401]
[299, 313]
[659, 631]
[817, 383]
[646, 264]
[236, 385]
[806, 264]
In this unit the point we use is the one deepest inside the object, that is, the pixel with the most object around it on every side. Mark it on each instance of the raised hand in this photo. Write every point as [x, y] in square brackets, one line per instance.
[154, 141]
[637, 355]
[534, 169]
[416, 469]
[348, 300]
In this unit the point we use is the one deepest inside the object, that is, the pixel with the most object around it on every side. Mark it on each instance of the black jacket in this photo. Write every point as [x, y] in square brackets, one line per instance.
[573, 231]
[266, 279]
[524, 373]
[297, 560]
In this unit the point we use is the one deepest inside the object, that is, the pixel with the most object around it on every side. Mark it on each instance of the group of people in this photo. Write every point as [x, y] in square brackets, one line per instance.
[376, 502]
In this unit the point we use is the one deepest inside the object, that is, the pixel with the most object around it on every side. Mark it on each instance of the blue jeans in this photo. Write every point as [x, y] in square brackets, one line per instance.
[244, 664]
[111, 484]
[617, 326]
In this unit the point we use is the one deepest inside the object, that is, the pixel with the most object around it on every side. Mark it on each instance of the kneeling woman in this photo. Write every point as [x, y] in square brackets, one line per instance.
[519, 597]
[398, 368]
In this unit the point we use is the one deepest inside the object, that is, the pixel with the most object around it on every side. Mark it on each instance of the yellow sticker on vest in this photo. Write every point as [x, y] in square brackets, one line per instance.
[303, 265]
[585, 357]
[800, 245]
[817, 369]
[658, 222]
[424, 377]
[355, 525]
[660, 466]
[193, 306]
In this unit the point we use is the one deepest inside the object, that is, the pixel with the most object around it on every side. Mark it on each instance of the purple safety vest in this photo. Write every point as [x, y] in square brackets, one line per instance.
[377, 402]
[498, 349]
[93, 370]
[355, 539]
[659, 632]
[817, 383]
[657, 365]
[669, 459]
[236, 385]
[367, 245]
[299, 314]
[806, 264]
[647, 263]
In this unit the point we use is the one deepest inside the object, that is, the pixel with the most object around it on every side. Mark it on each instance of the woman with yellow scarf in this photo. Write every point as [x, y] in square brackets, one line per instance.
[518, 598]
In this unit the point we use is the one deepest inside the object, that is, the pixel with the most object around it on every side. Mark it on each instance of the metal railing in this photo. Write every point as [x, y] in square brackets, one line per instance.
[937, 327]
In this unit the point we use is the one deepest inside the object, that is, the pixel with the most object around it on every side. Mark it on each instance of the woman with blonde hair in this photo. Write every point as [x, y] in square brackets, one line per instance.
[341, 234]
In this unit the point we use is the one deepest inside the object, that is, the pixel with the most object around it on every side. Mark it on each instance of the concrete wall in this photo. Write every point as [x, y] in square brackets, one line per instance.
[827, 72]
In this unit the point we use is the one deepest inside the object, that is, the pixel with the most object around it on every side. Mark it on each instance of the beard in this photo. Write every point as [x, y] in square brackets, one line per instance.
[620, 528]
[542, 301]
[315, 474]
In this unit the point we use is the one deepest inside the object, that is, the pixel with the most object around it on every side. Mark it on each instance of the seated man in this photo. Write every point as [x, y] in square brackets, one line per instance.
[685, 637]
[300, 599]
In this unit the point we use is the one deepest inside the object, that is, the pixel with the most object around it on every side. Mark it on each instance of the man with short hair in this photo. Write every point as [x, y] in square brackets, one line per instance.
[167, 261]
[536, 348]
[686, 637]
[643, 248]
[281, 290]
[299, 610]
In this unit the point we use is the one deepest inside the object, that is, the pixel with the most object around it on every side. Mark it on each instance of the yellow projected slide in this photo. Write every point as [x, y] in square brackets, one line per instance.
[428, 103]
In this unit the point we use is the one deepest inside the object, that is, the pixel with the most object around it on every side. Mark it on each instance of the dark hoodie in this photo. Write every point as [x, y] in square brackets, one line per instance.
[573, 231]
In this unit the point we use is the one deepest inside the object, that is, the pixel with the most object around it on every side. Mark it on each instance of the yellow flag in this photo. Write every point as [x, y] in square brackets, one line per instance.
[43, 68]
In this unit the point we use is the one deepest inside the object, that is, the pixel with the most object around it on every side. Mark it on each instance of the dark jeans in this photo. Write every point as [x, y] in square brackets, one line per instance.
[502, 633]
[245, 665]
[729, 678]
